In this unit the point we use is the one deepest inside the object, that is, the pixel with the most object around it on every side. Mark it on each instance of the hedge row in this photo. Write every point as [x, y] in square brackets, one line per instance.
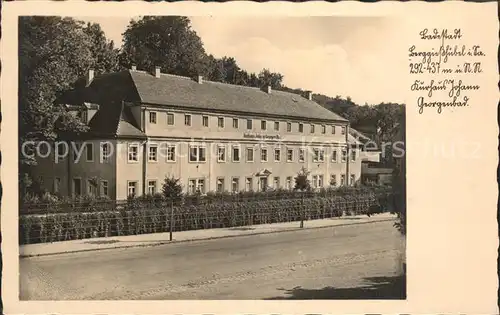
[136, 219]
[52, 204]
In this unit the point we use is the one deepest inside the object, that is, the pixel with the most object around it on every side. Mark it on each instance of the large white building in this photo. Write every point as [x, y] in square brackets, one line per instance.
[212, 136]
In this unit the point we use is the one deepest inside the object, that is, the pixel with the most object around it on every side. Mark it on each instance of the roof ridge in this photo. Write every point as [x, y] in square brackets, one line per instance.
[231, 84]
[216, 82]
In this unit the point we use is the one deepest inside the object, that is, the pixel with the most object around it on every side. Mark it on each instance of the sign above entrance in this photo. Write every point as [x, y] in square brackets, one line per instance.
[260, 136]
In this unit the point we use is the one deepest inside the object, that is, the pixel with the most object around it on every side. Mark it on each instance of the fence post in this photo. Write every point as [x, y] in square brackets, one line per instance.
[302, 211]
[171, 219]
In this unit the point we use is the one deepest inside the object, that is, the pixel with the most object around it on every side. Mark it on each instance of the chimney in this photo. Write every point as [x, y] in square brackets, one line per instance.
[134, 68]
[268, 89]
[157, 72]
[309, 95]
[90, 77]
[200, 79]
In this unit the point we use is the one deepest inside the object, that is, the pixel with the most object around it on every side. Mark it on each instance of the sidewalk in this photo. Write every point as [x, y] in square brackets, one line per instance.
[163, 238]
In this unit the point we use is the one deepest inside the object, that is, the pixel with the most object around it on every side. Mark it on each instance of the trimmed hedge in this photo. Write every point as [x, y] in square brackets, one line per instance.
[140, 217]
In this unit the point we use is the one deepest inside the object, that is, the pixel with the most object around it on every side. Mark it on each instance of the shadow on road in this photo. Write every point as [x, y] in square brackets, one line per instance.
[379, 288]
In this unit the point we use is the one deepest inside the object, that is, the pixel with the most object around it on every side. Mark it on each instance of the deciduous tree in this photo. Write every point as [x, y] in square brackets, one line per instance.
[165, 41]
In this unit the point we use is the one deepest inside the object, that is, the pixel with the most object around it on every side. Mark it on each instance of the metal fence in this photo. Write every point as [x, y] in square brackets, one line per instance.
[142, 216]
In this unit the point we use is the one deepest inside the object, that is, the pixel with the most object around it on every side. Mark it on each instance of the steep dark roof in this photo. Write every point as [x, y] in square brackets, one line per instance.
[113, 119]
[182, 91]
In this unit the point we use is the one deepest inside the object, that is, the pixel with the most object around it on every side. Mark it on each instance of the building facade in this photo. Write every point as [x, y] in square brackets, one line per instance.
[212, 136]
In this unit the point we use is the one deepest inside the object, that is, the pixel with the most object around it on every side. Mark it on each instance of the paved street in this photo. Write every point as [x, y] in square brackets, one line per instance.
[357, 262]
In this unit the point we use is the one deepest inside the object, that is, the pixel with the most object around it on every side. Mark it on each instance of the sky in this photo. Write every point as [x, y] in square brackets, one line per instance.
[345, 56]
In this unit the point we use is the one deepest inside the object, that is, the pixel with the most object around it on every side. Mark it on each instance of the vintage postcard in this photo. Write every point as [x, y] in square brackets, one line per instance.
[249, 158]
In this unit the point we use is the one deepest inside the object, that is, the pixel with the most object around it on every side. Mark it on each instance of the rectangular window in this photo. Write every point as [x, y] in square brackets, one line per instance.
[201, 154]
[104, 188]
[276, 182]
[220, 122]
[187, 120]
[152, 117]
[170, 119]
[236, 153]
[315, 181]
[57, 185]
[289, 183]
[263, 154]
[344, 155]
[132, 188]
[171, 153]
[333, 180]
[196, 186]
[334, 155]
[353, 155]
[221, 153]
[90, 152]
[197, 153]
[320, 181]
[263, 125]
[153, 153]
[277, 155]
[249, 124]
[276, 126]
[200, 185]
[235, 184]
[205, 121]
[220, 184]
[133, 152]
[333, 130]
[288, 127]
[235, 123]
[312, 128]
[249, 184]
[249, 154]
[289, 155]
[353, 179]
[83, 115]
[342, 180]
[301, 128]
[77, 186]
[319, 155]
[151, 187]
[105, 152]
[91, 187]
[323, 129]
[342, 131]
[76, 150]
[301, 155]
[192, 186]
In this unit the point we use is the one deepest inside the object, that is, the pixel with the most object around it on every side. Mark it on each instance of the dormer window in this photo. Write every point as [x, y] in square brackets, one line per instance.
[83, 116]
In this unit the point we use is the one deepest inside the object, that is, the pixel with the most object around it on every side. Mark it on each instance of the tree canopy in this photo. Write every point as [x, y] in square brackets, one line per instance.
[53, 53]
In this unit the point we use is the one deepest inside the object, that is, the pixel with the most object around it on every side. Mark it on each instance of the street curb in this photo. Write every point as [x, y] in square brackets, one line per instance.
[200, 239]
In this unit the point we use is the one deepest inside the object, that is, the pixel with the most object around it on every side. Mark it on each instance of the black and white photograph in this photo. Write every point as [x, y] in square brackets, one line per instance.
[246, 158]
[259, 148]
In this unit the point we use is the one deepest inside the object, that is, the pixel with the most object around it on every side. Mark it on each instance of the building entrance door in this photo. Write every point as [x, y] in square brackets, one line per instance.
[263, 183]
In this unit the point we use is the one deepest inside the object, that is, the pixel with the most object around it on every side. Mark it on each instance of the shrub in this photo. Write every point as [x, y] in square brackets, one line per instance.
[171, 188]
[301, 181]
